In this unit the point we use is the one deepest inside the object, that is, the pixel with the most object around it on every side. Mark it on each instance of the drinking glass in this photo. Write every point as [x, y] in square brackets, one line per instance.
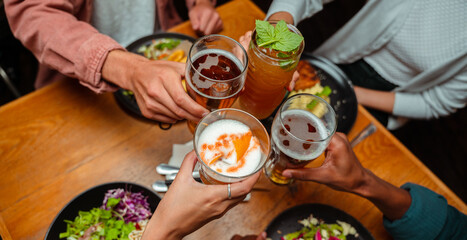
[301, 131]
[215, 72]
[269, 73]
[212, 176]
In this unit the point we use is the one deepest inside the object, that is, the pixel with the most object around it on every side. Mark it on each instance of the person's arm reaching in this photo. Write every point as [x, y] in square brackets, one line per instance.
[57, 39]
[412, 212]
[76, 49]
[342, 171]
[157, 86]
[188, 205]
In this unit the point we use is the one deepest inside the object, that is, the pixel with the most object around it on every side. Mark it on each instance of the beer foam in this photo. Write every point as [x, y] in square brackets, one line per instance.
[218, 138]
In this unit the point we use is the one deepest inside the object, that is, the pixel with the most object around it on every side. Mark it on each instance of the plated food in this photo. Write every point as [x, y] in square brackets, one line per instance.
[309, 82]
[316, 221]
[323, 78]
[117, 210]
[122, 215]
[315, 229]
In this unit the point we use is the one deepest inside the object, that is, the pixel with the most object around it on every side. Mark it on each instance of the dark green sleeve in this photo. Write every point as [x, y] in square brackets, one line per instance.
[429, 217]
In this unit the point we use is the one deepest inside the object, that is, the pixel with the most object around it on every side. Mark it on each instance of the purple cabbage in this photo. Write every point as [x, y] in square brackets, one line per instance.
[133, 207]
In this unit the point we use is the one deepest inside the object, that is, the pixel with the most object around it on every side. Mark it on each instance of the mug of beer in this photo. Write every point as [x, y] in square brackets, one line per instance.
[215, 72]
[300, 133]
[231, 145]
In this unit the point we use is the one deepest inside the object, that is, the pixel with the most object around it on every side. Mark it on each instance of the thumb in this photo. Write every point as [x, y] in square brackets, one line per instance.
[309, 174]
[188, 165]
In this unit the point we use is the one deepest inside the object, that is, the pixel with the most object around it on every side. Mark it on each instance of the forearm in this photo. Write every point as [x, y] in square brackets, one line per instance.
[379, 100]
[392, 201]
[60, 40]
[157, 229]
[119, 66]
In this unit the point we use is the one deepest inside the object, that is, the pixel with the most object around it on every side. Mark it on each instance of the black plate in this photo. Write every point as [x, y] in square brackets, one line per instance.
[128, 103]
[343, 99]
[286, 222]
[92, 198]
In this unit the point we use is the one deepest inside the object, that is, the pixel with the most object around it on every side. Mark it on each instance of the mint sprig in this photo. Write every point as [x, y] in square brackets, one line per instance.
[278, 37]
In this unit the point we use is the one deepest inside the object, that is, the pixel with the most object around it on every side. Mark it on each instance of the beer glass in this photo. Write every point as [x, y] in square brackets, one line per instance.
[301, 131]
[215, 72]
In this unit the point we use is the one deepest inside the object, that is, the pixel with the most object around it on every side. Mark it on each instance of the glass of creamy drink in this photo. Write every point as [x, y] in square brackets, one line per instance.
[231, 145]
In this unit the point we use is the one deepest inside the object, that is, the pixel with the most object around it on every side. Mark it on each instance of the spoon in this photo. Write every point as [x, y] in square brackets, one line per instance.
[166, 169]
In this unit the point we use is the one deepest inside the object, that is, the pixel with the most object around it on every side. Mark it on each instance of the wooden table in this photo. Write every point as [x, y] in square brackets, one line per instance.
[63, 139]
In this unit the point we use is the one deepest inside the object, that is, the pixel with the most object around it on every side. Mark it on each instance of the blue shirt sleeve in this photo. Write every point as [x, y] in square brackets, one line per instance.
[428, 217]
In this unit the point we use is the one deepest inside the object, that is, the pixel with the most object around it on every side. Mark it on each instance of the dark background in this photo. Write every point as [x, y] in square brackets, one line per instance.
[440, 144]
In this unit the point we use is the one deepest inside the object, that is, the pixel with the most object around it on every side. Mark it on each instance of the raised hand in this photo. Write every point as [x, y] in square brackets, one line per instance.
[204, 18]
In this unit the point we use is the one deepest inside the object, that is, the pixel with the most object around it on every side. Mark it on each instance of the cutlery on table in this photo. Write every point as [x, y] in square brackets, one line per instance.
[166, 169]
[163, 185]
[367, 131]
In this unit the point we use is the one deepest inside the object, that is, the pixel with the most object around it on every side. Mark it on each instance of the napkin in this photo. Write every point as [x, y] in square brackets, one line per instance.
[179, 151]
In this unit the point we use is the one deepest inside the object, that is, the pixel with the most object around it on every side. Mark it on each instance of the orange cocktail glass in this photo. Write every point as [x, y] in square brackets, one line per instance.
[269, 73]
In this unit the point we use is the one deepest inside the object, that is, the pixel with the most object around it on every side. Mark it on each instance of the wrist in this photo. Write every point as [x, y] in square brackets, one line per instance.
[366, 185]
[119, 67]
[287, 17]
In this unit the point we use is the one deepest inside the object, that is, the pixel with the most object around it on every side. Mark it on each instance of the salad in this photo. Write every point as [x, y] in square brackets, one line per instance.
[313, 229]
[170, 49]
[122, 215]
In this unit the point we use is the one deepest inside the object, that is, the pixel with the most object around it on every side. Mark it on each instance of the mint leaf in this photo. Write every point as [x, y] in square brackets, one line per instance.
[283, 55]
[281, 27]
[287, 41]
[264, 31]
[278, 38]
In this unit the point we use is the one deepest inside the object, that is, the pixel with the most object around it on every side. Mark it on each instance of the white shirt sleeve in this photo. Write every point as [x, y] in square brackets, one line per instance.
[434, 102]
[299, 9]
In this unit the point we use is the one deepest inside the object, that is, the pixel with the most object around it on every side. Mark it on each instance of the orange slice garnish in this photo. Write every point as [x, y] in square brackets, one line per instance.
[241, 145]
[216, 157]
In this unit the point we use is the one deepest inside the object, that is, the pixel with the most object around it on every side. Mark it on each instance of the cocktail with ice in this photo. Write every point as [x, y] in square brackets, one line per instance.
[300, 133]
[231, 145]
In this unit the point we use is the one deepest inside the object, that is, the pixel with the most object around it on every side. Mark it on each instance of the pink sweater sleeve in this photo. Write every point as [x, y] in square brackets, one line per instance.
[52, 32]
